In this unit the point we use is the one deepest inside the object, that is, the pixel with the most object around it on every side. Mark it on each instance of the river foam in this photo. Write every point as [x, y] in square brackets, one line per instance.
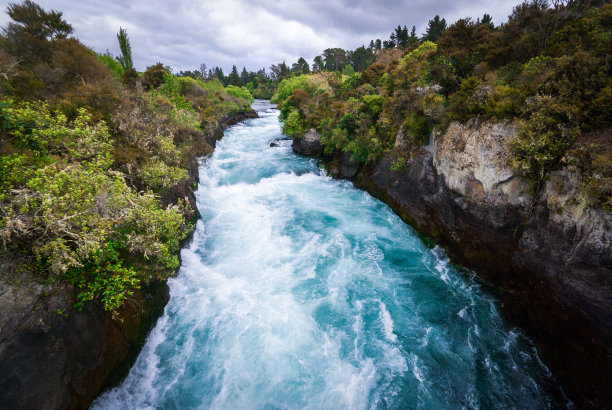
[299, 291]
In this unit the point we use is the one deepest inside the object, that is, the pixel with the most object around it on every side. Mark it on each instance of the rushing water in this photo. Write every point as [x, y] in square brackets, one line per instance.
[299, 291]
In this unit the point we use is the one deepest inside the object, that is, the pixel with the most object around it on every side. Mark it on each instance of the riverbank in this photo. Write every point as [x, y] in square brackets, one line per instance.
[53, 356]
[548, 257]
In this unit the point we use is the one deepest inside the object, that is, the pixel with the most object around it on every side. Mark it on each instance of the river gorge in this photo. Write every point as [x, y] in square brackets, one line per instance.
[301, 291]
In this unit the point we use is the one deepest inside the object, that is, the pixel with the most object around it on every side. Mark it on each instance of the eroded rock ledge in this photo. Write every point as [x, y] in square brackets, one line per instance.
[550, 257]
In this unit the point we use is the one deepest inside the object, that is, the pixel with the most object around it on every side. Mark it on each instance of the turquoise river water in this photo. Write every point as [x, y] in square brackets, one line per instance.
[300, 291]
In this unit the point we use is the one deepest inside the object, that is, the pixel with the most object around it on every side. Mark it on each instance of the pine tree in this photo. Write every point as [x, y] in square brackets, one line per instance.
[125, 59]
[234, 77]
[435, 28]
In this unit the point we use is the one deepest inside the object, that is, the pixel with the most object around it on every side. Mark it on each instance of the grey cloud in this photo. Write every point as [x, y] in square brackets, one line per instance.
[185, 33]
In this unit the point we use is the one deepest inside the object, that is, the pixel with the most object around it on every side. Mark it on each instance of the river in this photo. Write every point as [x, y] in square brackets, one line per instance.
[300, 291]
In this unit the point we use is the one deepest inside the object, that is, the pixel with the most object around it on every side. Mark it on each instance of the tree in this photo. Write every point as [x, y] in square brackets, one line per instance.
[361, 58]
[388, 44]
[435, 28]
[400, 37]
[488, 20]
[301, 66]
[125, 59]
[280, 71]
[234, 77]
[413, 39]
[203, 71]
[334, 59]
[318, 64]
[218, 72]
[244, 76]
[27, 36]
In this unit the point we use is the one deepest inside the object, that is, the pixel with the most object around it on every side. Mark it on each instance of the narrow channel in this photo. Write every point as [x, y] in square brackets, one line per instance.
[300, 291]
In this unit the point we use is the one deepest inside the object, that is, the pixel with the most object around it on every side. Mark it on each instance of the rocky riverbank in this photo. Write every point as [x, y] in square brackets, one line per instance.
[54, 357]
[549, 256]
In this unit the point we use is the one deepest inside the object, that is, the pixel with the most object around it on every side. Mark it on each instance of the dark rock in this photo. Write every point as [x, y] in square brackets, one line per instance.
[349, 166]
[309, 144]
[275, 143]
[50, 361]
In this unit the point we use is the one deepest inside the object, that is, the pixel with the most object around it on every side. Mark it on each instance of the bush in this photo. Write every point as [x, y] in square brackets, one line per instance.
[153, 76]
[292, 125]
[112, 64]
[239, 92]
[543, 138]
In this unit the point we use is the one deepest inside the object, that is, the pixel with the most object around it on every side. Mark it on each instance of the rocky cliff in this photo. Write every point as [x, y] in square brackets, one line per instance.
[549, 254]
[52, 357]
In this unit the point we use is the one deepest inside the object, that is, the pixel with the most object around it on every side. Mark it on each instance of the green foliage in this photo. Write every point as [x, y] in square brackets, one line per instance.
[28, 35]
[60, 198]
[113, 65]
[292, 125]
[106, 279]
[158, 176]
[154, 76]
[286, 87]
[419, 126]
[171, 89]
[422, 50]
[240, 92]
[374, 102]
[125, 59]
[543, 138]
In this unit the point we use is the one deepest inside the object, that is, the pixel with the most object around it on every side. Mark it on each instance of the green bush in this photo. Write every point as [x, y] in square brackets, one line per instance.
[62, 202]
[112, 64]
[286, 87]
[240, 92]
[292, 125]
[543, 138]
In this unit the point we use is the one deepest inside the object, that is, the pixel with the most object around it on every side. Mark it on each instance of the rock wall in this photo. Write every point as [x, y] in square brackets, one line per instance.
[52, 357]
[550, 257]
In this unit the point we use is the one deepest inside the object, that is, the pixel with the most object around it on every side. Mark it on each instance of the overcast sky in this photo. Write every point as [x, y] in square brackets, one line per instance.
[255, 34]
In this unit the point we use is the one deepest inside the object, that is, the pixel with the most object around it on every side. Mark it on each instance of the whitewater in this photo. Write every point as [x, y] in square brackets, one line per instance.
[301, 291]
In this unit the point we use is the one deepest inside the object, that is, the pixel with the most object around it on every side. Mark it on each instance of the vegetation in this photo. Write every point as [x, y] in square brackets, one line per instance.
[546, 69]
[90, 153]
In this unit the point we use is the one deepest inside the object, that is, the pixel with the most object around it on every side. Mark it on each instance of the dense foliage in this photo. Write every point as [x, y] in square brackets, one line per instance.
[90, 152]
[547, 69]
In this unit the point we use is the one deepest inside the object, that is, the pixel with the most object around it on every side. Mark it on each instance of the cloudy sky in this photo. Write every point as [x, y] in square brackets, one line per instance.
[255, 34]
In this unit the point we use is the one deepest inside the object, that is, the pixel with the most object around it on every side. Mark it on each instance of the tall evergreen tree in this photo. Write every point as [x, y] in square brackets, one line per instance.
[244, 76]
[125, 59]
[413, 39]
[234, 78]
[218, 72]
[435, 28]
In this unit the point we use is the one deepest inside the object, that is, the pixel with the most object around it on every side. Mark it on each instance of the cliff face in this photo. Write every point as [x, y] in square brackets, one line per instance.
[549, 257]
[53, 357]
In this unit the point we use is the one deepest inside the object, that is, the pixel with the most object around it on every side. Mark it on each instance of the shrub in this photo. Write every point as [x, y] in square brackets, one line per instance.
[292, 125]
[240, 92]
[153, 76]
[112, 64]
[543, 138]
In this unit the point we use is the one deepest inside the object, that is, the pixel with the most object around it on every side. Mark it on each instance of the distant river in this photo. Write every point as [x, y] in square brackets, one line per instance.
[300, 291]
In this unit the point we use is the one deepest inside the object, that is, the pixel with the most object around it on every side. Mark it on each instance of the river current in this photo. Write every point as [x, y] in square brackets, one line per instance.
[300, 291]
